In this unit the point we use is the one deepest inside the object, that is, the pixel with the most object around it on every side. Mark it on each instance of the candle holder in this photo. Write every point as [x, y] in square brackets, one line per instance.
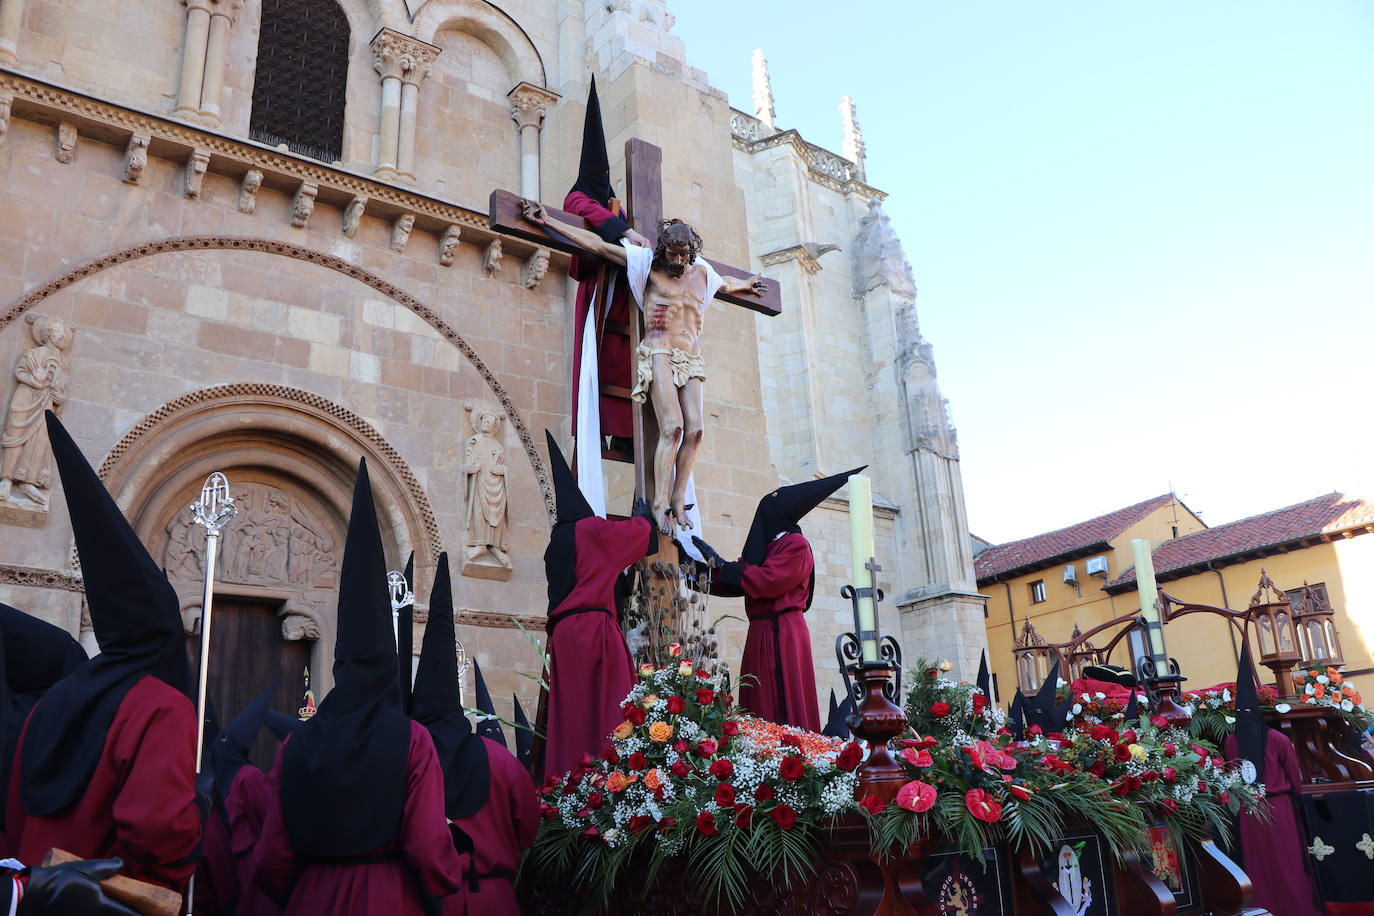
[874, 686]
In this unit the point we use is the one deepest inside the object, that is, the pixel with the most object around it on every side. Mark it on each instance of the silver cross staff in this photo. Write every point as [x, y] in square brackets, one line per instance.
[213, 511]
[401, 595]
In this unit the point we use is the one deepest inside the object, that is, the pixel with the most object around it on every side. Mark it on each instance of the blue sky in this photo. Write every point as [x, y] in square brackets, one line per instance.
[1142, 233]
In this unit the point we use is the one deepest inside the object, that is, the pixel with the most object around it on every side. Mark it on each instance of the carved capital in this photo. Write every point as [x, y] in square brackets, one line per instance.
[303, 204]
[248, 190]
[491, 258]
[65, 152]
[196, 166]
[529, 103]
[400, 231]
[448, 245]
[229, 9]
[136, 158]
[203, 5]
[352, 216]
[403, 57]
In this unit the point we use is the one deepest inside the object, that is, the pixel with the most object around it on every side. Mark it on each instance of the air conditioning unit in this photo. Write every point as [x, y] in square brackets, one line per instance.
[1070, 575]
[1097, 566]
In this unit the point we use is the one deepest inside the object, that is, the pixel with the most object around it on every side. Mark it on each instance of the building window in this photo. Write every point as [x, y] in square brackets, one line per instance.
[1037, 591]
[302, 72]
[1318, 592]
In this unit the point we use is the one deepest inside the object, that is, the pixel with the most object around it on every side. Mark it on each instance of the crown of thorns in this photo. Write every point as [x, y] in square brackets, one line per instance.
[676, 233]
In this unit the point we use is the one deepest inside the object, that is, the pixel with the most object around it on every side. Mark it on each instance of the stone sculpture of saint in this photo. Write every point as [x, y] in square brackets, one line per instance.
[42, 374]
[484, 471]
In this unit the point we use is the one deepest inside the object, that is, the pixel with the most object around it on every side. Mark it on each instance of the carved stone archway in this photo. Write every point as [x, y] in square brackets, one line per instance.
[286, 249]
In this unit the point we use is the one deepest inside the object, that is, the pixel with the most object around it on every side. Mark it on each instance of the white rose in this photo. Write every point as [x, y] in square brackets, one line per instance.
[1226, 696]
[1077, 708]
[1282, 708]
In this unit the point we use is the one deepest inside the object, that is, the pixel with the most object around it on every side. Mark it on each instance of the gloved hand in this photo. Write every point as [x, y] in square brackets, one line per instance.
[642, 508]
[72, 888]
[709, 552]
[727, 573]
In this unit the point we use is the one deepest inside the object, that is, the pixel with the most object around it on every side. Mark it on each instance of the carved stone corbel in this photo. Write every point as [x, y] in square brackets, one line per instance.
[535, 266]
[195, 172]
[6, 100]
[353, 216]
[136, 158]
[66, 143]
[448, 245]
[296, 627]
[491, 258]
[303, 204]
[400, 231]
[248, 190]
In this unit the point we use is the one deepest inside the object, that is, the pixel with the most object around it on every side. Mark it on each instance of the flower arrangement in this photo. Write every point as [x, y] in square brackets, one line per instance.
[1332, 689]
[687, 776]
[1214, 709]
[936, 705]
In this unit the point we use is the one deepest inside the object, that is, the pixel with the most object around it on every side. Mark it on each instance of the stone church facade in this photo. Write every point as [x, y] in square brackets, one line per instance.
[217, 254]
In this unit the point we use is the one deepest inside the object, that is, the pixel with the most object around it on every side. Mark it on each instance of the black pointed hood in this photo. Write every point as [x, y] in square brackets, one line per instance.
[1132, 713]
[784, 508]
[343, 775]
[560, 557]
[1016, 716]
[137, 621]
[984, 682]
[438, 706]
[490, 727]
[405, 636]
[571, 505]
[837, 723]
[230, 749]
[37, 654]
[524, 735]
[1252, 734]
[280, 724]
[594, 168]
[1041, 709]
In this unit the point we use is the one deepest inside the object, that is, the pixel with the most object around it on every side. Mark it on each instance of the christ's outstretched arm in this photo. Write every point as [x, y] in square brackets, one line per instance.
[593, 243]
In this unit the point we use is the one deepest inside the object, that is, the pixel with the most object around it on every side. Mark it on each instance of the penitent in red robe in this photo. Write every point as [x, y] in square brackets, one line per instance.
[501, 831]
[140, 804]
[247, 803]
[217, 880]
[590, 670]
[777, 649]
[614, 352]
[418, 863]
[1274, 852]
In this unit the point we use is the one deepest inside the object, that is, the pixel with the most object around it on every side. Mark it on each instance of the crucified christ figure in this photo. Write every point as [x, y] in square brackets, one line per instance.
[673, 287]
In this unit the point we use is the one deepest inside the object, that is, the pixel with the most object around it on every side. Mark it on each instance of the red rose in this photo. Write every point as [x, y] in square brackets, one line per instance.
[725, 795]
[1202, 787]
[763, 793]
[744, 814]
[939, 709]
[681, 746]
[706, 697]
[591, 831]
[595, 799]
[982, 806]
[676, 705]
[850, 756]
[548, 811]
[791, 768]
[1170, 775]
[637, 715]
[638, 760]
[639, 823]
[730, 728]
[706, 747]
[790, 740]
[1129, 736]
[980, 702]
[1169, 805]
[1149, 776]
[610, 756]
[706, 823]
[1098, 769]
[584, 813]
[872, 804]
[1159, 722]
[702, 673]
[1122, 752]
[1224, 797]
[1035, 730]
[1170, 750]
[668, 823]
[722, 769]
[626, 707]
[586, 761]
[680, 769]
[1104, 733]
[784, 817]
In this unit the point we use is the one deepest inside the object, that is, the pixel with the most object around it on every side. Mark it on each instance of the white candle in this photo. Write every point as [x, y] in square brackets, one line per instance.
[860, 552]
[1145, 582]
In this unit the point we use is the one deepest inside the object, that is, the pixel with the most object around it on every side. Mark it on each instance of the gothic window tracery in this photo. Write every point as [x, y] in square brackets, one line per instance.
[302, 72]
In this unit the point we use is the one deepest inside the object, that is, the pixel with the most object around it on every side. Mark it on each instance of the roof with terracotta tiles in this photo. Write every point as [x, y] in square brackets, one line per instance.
[1014, 558]
[1276, 531]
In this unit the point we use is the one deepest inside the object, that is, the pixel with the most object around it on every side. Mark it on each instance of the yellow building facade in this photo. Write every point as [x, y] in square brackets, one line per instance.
[1083, 576]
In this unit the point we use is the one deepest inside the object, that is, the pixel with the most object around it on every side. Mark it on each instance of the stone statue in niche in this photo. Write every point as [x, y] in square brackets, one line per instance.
[276, 540]
[485, 491]
[26, 473]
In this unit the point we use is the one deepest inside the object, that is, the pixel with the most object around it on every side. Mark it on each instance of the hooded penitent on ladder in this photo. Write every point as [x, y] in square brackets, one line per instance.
[776, 573]
[356, 823]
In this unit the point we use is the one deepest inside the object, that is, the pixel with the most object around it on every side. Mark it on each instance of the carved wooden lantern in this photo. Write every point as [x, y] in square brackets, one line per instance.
[1319, 645]
[1081, 654]
[1272, 615]
[1033, 659]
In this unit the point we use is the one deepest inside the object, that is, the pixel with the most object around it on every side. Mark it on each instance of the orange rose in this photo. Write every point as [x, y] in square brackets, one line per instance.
[618, 781]
[1336, 677]
[1319, 691]
[652, 780]
[660, 732]
[623, 730]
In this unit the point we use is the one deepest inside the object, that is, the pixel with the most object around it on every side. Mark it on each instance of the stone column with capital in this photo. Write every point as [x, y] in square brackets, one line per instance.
[528, 104]
[402, 62]
[222, 16]
[192, 81]
[11, 19]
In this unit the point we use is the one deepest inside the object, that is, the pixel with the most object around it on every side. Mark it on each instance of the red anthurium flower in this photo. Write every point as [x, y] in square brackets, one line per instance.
[873, 804]
[792, 768]
[917, 758]
[725, 795]
[982, 806]
[706, 823]
[763, 793]
[676, 705]
[1020, 793]
[784, 817]
[916, 796]
[722, 769]
[706, 697]
[939, 709]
